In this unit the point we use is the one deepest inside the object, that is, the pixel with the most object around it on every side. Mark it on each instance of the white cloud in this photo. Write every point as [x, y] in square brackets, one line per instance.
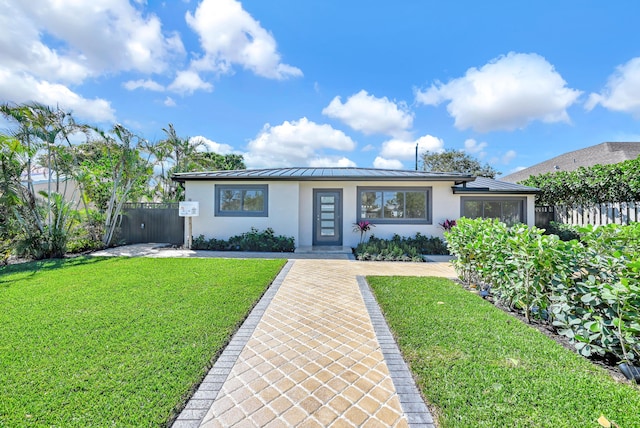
[380, 162]
[508, 157]
[517, 169]
[333, 161]
[23, 88]
[188, 81]
[169, 102]
[48, 45]
[506, 94]
[295, 143]
[622, 91]
[371, 115]
[208, 145]
[103, 35]
[400, 149]
[471, 146]
[230, 35]
[147, 84]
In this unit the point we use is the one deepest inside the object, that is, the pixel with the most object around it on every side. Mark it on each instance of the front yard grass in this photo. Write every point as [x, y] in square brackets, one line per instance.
[479, 367]
[116, 341]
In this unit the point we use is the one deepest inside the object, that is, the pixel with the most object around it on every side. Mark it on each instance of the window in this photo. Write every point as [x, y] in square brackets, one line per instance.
[394, 204]
[241, 200]
[508, 210]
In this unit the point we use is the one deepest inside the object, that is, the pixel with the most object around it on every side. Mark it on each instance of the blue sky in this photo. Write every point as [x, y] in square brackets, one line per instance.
[336, 83]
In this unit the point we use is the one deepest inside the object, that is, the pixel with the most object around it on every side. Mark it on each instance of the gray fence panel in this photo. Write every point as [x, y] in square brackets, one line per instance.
[144, 223]
[544, 216]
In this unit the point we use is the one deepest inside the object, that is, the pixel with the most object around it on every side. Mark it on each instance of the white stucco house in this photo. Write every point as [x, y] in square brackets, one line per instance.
[319, 206]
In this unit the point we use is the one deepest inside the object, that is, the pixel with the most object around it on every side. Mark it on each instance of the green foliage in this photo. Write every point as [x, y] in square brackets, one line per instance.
[479, 367]
[456, 161]
[175, 154]
[109, 168]
[116, 341]
[588, 290]
[566, 232]
[254, 240]
[399, 248]
[587, 186]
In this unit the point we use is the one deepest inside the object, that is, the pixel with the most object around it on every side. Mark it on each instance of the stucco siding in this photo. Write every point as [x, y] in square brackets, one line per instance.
[291, 209]
[282, 213]
[445, 205]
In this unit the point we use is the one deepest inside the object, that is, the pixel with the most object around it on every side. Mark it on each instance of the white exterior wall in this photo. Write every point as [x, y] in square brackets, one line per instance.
[445, 205]
[291, 209]
[283, 209]
[531, 210]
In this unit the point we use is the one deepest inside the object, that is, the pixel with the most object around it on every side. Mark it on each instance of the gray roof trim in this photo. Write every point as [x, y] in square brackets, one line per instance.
[488, 185]
[324, 174]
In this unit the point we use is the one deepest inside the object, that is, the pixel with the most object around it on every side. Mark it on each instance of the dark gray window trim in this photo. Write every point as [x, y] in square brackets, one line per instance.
[522, 199]
[220, 213]
[426, 189]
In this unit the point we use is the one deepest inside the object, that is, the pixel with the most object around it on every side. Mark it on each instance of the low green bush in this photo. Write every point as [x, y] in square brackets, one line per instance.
[589, 290]
[566, 232]
[254, 240]
[405, 249]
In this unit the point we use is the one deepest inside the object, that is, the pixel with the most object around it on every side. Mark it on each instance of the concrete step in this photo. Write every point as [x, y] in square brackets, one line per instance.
[323, 249]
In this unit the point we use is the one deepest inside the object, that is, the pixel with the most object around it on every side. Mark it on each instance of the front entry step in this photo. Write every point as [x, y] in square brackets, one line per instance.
[323, 249]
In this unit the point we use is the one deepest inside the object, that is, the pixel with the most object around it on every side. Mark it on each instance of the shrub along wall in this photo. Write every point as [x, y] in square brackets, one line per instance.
[588, 289]
[253, 240]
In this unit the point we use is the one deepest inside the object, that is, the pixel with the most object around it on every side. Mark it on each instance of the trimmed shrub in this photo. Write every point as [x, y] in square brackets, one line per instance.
[589, 290]
[400, 248]
[254, 240]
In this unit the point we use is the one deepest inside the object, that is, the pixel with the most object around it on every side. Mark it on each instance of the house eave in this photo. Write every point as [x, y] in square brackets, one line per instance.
[467, 191]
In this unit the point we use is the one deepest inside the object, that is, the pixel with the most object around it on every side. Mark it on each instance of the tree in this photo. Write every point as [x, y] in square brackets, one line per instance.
[114, 172]
[456, 161]
[41, 229]
[175, 154]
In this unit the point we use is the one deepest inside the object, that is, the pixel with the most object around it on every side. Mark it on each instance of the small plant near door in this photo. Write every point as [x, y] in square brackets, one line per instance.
[363, 227]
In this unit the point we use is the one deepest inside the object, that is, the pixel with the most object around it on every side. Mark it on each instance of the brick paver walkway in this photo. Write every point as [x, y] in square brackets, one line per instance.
[310, 355]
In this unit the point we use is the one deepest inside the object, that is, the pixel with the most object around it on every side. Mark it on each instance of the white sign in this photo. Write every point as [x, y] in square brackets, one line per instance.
[189, 209]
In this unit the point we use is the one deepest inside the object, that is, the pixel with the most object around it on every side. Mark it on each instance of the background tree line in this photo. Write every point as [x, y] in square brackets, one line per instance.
[598, 184]
[105, 169]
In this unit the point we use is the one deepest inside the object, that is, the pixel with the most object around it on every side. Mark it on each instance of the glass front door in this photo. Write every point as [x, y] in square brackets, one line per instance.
[327, 213]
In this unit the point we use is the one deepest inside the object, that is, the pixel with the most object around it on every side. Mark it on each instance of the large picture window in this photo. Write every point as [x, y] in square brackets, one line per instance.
[394, 204]
[239, 200]
[508, 210]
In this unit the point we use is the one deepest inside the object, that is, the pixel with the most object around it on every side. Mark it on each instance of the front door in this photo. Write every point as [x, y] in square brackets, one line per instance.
[327, 214]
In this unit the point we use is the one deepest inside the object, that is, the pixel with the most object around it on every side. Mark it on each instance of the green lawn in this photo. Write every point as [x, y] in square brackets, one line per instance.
[116, 341]
[479, 367]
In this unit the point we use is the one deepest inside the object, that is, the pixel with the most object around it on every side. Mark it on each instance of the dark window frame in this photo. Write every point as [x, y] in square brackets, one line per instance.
[428, 199]
[521, 199]
[241, 213]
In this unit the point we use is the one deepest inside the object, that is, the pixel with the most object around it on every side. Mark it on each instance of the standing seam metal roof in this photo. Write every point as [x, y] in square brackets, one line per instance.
[322, 174]
[484, 184]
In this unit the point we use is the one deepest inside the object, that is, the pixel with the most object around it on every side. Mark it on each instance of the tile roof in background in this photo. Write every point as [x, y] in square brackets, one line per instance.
[603, 154]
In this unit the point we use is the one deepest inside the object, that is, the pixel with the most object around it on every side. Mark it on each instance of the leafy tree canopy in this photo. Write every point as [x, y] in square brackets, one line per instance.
[619, 182]
[456, 161]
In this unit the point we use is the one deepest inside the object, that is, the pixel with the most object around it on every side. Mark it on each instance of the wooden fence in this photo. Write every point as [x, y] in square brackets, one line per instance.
[600, 214]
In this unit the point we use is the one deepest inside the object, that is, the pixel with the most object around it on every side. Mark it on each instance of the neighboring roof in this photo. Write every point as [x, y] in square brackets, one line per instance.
[489, 185]
[602, 154]
[324, 174]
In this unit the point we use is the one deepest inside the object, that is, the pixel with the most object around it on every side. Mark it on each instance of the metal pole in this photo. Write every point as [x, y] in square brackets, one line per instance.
[416, 156]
